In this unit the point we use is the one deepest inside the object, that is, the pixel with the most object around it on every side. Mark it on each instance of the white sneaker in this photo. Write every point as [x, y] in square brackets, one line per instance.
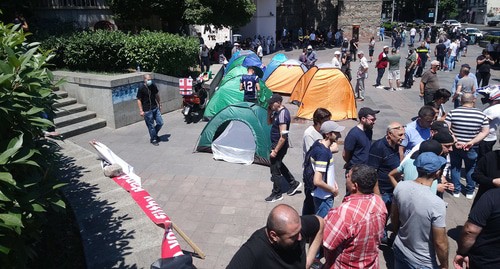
[399, 89]
[380, 87]
[456, 195]
[469, 196]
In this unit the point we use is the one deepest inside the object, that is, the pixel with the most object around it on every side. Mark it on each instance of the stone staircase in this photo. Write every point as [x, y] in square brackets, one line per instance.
[73, 118]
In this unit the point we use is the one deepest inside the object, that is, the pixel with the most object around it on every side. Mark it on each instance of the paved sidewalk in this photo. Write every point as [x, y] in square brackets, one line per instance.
[218, 204]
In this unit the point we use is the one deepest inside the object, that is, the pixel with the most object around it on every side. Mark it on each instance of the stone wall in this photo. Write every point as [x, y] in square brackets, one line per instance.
[365, 13]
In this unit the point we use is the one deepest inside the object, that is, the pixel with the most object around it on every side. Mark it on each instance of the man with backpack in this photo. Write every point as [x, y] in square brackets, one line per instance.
[319, 173]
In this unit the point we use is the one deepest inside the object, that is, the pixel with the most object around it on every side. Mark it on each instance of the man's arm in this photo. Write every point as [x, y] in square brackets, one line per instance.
[395, 176]
[458, 91]
[318, 182]
[422, 87]
[257, 86]
[157, 97]
[467, 239]
[480, 176]
[346, 155]
[395, 217]
[441, 245]
[139, 104]
[315, 244]
[479, 137]
[281, 141]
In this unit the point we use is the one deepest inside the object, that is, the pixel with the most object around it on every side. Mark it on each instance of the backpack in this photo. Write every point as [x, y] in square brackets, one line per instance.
[308, 173]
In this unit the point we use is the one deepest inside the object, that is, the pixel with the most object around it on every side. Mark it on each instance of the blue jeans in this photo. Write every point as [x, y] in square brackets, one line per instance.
[150, 117]
[400, 261]
[451, 63]
[322, 206]
[380, 75]
[469, 157]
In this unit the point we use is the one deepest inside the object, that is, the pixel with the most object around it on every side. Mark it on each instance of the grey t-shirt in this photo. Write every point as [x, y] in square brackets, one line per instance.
[467, 84]
[393, 60]
[419, 211]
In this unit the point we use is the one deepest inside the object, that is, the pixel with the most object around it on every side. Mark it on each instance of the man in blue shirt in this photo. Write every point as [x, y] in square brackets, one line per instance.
[418, 130]
[249, 83]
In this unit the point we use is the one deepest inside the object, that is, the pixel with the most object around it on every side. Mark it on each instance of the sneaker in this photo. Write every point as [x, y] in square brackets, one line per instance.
[274, 197]
[399, 89]
[155, 142]
[456, 194]
[294, 188]
[392, 90]
[469, 196]
[380, 87]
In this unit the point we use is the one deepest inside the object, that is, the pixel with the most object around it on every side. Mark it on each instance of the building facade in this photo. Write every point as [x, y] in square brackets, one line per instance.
[481, 11]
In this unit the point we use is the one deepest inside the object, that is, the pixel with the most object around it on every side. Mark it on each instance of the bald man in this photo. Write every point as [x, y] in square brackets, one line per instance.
[282, 243]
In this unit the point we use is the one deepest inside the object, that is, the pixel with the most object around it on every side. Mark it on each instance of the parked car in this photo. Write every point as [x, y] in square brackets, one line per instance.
[452, 23]
[494, 21]
[492, 33]
[473, 32]
[418, 21]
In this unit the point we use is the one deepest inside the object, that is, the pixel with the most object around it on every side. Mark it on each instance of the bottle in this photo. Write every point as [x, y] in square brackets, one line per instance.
[138, 68]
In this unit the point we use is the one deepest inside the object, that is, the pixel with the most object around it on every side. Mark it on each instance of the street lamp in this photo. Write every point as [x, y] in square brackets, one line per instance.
[436, 13]
[392, 15]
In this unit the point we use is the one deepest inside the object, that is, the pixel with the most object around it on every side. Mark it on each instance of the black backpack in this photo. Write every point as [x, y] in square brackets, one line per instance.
[308, 173]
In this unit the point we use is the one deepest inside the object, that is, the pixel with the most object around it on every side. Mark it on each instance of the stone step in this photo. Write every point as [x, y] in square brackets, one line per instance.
[61, 94]
[66, 101]
[74, 118]
[69, 109]
[81, 127]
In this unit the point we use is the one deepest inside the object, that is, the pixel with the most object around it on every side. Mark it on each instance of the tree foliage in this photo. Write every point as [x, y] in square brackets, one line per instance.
[27, 188]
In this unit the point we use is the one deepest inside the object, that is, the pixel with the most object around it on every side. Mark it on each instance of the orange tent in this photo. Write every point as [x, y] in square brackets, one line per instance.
[285, 76]
[324, 86]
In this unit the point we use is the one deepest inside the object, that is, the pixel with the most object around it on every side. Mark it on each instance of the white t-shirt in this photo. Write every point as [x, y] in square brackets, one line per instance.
[259, 51]
[310, 136]
[336, 62]
[453, 49]
[493, 114]
[413, 31]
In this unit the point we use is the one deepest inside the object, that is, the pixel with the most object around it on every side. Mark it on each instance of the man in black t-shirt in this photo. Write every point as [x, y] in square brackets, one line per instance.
[440, 52]
[149, 104]
[479, 240]
[282, 243]
[484, 63]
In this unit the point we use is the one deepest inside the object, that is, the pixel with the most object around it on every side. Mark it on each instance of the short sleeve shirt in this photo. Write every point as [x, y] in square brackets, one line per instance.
[358, 142]
[430, 81]
[467, 84]
[147, 95]
[322, 161]
[249, 86]
[394, 61]
[279, 117]
[384, 158]
[484, 67]
[414, 135]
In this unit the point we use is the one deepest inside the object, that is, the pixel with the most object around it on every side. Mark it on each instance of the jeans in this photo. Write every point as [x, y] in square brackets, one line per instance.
[322, 206]
[412, 40]
[279, 169]
[451, 62]
[360, 88]
[150, 117]
[380, 74]
[469, 157]
[400, 261]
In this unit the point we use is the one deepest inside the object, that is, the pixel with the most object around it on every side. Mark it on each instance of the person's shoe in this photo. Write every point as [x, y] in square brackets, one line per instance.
[399, 89]
[155, 142]
[317, 264]
[376, 85]
[294, 188]
[274, 197]
[469, 196]
[380, 87]
[456, 194]
[392, 90]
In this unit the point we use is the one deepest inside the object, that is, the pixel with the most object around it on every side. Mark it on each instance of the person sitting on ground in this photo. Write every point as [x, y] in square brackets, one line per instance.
[282, 242]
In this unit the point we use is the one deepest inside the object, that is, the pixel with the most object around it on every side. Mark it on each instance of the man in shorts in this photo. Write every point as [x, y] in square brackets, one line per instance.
[393, 74]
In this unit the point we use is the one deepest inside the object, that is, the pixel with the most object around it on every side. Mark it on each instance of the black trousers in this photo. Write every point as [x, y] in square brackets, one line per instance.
[279, 169]
[409, 78]
[484, 77]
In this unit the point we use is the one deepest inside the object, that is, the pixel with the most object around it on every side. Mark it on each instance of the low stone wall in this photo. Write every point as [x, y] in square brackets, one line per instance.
[113, 97]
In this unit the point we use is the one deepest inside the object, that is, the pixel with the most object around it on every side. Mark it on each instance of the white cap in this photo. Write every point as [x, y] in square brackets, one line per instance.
[236, 44]
[386, 47]
[309, 47]
[337, 52]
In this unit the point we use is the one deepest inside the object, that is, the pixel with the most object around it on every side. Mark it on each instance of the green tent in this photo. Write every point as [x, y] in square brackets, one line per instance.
[239, 133]
[229, 92]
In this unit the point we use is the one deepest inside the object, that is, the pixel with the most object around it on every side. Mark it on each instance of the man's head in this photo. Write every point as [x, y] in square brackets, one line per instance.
[367, 117]
[467, 99]
[331, 130]
[275, 102]
[441, 96]
[251, 70]
[386, 49]
[337, 54]
[309, 48]
[429, 165]
[485, 51]
[321, 115]
[147, 79]
[464, 71]
[435, 65]
[395, 133]
[361, 179]
[361, 54]
[444, 137]
[283, 227]
[394, 50]
[426, 116]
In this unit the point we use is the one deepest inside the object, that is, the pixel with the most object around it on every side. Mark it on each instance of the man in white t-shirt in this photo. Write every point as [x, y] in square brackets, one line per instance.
[413, 32]
[492, 112]
[336, 60]
[452, 55]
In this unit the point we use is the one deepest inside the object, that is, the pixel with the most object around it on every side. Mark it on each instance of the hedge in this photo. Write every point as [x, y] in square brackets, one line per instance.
[115, 51]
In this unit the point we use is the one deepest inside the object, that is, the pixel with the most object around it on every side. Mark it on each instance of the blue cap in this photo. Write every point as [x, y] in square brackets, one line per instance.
[429, 162]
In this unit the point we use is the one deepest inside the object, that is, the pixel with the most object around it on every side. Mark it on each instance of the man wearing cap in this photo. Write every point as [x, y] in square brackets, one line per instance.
[470, 126]
[279, 118]
[336, 60]
[249, 83]
[455, 83]
[411, 63]
[493, 113]
[236, 48]
[326, 187]
[311, 57]
[419, 218]
[358, 141]
[361, 75]
[353, 230]
[429, 83]
[393, 74]
[464, 84]
[282, 242]
[381, 65]
[418, 130]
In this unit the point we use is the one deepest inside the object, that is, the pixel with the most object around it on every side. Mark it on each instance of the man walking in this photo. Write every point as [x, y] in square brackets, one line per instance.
[470, 126]
[381, 65]
[361, 75]
[279, 117]
[148, 101]
[418, 218]
[249, 83]
[394, 60]
[429, 83]
[353, 230]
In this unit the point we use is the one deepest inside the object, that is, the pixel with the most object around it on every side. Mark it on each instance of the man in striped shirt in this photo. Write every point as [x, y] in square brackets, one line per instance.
[353, 230]
[469, 126]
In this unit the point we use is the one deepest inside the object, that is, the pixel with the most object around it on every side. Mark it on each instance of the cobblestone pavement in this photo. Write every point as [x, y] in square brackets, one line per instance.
[219, 204]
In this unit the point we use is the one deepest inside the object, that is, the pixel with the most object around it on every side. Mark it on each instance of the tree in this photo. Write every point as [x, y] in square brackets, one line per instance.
[448, 9]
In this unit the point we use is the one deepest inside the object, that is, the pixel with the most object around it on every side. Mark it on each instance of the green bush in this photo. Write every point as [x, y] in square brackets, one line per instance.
[28, 189]
[115, 51]
[496, 39]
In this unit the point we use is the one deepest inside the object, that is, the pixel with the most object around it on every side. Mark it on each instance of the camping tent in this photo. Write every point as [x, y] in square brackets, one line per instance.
[285, 76]
[273, 64]
[327, 87]
[239, 133]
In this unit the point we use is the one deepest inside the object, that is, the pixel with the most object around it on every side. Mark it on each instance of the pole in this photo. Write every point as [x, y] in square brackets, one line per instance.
[436, 13]
[392, 16]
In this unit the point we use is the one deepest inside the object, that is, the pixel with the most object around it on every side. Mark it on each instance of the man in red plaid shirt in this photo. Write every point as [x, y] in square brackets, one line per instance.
[353, 230]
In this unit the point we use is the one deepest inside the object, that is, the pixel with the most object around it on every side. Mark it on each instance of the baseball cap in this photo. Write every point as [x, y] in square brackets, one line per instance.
[443, 136]
[365, 111]
[438, 125]
[309, 47]
[337, 52]
[429, 162]
[236, 44]
[330, 126]
[431, 146]
[361, 52]
[386, 47]
[275, 98]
